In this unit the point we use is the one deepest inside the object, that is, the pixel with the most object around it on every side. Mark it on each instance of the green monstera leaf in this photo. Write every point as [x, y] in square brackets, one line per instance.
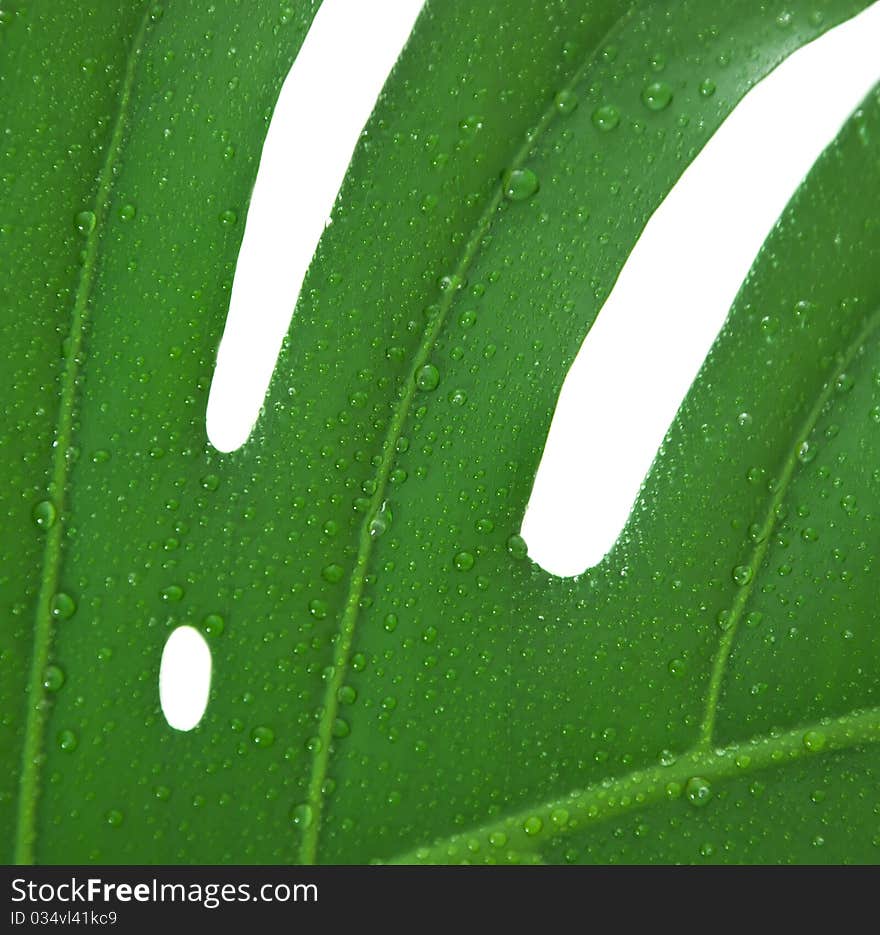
[393, 678]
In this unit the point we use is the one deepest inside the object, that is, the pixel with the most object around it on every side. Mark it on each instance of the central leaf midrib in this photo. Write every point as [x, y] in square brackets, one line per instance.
[29, 783]
[342, 651]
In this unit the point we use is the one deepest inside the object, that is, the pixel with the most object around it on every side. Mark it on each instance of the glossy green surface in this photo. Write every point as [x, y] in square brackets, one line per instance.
[393, 678]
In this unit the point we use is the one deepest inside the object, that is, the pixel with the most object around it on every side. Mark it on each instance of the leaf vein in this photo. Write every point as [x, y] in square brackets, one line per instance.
[728, 637]
[29, 784]
[345, 636]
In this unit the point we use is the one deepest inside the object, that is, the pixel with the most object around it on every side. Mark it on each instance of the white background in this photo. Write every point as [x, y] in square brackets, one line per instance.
[650, 337]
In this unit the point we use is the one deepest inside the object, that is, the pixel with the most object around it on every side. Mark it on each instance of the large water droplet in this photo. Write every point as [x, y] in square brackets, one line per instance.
[62, 606]
[606, 117]
[53, 678]
[520, 184]
[657, 95]
[84, 221]
[698, 791]
[263, 736]
[427, 378]
[302, 815]
[44, 514]
[463, 561]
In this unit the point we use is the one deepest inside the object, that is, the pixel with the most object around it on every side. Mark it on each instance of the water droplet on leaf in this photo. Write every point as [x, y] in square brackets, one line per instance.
[698, 792]
[427, 378]
[657, 96]
[520, 184]
[606, 118]
[44, 514]
[63, 606]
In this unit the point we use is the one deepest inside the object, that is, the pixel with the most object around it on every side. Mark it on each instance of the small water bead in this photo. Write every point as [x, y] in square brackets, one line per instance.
[707, 87]
[606, 118]
[451, 282]
[127, 212]
[498, 839]
[318, 608]
[346, 694]
[53, 678]
[559, 817]
[516, 547]
[341, 728]
[814, 741]
[463, 561]
[114, 818]
[467, 319]
[44, 514]
[263, 736]
[520, 184]
[332, 573]
[698, 791]
[379, 524]
[67, 741]
[533, 825]
[228, 218]
[742, 575]
[390, 623]
[657, 96]
[162, 793]
[302, 815]
[806, 452]
[62, 606]
[844, 383]
[427, 378]
[210, 482]
[213, 625]
[173, 594]
[565, 101]
[84, 222]
[458, 397]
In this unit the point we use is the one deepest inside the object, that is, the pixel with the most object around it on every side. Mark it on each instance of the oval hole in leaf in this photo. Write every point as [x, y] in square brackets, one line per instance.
[675, 290]
[185, 678]
[324, 103]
